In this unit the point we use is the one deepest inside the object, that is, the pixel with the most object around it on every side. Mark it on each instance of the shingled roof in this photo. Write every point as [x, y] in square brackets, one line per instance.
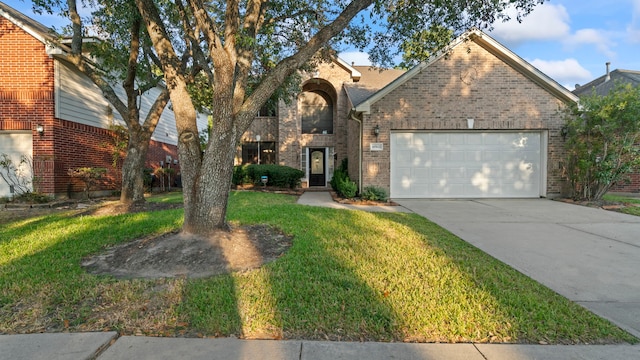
[602, 86]
[371, 80]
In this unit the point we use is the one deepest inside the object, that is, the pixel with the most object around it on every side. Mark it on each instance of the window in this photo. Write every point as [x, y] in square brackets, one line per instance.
[267, 152]
[316, 112]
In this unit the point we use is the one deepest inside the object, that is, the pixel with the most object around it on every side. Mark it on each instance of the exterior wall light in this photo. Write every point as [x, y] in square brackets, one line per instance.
[376, 130]
[40, 129]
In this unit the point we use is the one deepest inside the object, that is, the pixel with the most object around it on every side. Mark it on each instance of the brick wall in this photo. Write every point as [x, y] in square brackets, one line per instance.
[442, 97]
[78, 145]
[630, 185]
[27, 100]
[291, 141]
[26, 95]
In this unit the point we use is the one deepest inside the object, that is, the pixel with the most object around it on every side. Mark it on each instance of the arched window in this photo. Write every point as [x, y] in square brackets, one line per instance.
[316, 112]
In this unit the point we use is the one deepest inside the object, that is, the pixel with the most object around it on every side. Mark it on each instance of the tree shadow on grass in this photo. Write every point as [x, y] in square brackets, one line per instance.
[357, 276]
[43, 287]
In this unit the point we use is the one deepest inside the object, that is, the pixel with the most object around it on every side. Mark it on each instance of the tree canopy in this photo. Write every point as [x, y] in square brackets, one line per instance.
[603, 134]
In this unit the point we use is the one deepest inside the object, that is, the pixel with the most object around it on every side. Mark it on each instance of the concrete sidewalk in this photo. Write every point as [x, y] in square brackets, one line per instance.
[323, 199]
[107, 346]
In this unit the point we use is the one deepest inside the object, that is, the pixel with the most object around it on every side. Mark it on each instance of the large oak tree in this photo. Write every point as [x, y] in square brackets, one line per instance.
[250, 48]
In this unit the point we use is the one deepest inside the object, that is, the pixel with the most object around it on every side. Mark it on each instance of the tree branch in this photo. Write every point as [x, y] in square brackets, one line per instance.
[289, 65]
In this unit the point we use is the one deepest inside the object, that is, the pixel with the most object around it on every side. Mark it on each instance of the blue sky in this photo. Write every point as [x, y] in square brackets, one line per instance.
[569, 40]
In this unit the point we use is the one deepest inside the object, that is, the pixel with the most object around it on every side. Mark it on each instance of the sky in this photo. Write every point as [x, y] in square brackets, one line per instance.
[569, 40]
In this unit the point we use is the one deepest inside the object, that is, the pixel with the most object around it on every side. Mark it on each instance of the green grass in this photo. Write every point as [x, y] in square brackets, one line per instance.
[349, 275]
[634, 209]
[169, 198]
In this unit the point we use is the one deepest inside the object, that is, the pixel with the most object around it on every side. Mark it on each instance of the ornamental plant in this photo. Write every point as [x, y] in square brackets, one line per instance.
[602, 134]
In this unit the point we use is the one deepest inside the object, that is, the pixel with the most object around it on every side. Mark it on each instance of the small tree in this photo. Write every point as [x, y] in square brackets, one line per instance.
[89, 176]
[602, 141]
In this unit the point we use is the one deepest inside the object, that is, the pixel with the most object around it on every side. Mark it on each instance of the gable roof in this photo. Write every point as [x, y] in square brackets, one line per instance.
[39, 31]
[602, 86]
[372, 80]
[491, 45]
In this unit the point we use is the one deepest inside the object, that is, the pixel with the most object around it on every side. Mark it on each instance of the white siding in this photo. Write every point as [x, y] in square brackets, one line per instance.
[79, 100]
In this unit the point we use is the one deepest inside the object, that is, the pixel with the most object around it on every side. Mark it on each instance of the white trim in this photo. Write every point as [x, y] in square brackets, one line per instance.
[544, 161]
[56, 88]
[355, 74]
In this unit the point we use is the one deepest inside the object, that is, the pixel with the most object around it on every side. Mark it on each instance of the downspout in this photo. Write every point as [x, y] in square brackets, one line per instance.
[352, 114]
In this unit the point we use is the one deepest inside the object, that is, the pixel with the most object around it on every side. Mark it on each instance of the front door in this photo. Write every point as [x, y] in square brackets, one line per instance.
[317, 168]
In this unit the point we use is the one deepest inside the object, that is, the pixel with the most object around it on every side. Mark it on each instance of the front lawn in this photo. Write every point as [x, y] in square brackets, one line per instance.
[349, 275]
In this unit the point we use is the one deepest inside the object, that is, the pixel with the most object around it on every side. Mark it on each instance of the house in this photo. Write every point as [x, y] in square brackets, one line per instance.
[602, 86]
[475, 121]
[53, 114]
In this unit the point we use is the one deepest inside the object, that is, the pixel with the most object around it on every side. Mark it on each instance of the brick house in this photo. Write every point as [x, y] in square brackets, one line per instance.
[56, 116]
[475, 121]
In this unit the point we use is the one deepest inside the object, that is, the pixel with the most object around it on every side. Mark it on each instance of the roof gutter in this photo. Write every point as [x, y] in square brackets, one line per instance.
[352, 116]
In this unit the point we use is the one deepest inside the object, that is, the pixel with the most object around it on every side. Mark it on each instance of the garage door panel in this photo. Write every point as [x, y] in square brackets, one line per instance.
[466, 165]
[16, 145]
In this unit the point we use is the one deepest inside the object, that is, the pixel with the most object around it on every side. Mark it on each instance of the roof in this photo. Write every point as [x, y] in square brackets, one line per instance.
[372, 79]
[602, 86]
[44, 34]
[490, 45]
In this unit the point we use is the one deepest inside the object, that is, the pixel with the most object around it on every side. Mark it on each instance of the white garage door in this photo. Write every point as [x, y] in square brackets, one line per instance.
[467, 164]
[15, 145]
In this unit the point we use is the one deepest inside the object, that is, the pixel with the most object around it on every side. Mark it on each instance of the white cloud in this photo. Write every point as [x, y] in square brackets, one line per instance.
[594, 37]
[355, 57]
[633, 29]
[567, 72]
[545, 22]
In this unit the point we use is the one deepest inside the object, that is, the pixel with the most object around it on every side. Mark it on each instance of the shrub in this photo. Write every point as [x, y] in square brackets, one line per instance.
[147, 178]
[374, 193]
[240, 175]
[278, 175]
[88, 175]
[338, 176]
[347, 188]
[602, 141]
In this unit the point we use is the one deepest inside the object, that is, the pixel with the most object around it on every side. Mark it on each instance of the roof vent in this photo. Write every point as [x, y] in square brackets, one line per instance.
[608, 72]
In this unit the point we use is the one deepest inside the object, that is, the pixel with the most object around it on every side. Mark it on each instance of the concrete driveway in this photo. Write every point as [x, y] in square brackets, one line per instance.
[589, 255]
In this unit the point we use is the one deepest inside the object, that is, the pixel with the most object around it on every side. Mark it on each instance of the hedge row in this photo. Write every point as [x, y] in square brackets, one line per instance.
[277, 175]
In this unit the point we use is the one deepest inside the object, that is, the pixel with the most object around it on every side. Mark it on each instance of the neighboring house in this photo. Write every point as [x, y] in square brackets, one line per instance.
[602, 86]
[475, 121]
[53, 114]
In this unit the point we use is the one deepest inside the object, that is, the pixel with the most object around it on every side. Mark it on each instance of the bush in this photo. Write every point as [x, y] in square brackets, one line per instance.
[240, 176]
[338, 176]
[347, 188]
[374, 193]
[278, 175]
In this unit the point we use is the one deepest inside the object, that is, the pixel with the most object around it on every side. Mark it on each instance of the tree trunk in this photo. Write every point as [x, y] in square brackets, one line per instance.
[133, 166]
[208, 209]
